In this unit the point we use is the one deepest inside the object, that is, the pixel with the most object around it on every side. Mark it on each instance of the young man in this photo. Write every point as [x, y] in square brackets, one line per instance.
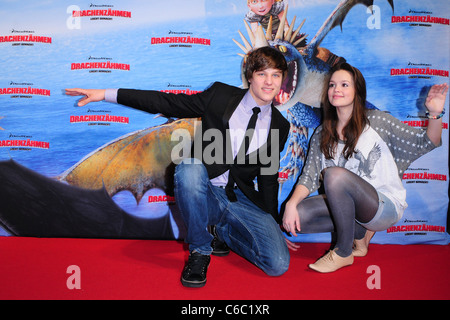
[222, 193]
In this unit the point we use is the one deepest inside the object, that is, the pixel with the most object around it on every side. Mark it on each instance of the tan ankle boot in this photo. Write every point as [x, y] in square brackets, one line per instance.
[331, 262]
[360, 247]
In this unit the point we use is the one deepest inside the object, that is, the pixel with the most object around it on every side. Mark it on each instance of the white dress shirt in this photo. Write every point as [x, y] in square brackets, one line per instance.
[238, 123]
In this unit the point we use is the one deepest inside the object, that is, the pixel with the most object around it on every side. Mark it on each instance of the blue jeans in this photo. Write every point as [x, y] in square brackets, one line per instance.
[243, 226]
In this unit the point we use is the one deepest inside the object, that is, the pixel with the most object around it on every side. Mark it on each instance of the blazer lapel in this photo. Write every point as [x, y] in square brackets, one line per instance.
[232, 105]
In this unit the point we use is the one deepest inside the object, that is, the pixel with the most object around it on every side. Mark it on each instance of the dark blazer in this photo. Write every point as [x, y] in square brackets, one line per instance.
[215, 106]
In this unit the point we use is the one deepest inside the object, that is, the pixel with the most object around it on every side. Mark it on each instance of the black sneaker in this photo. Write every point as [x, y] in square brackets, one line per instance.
[194, 273]
[219, 247]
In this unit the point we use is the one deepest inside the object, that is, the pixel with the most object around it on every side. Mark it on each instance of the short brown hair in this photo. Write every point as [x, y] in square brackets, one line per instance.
[264, 58]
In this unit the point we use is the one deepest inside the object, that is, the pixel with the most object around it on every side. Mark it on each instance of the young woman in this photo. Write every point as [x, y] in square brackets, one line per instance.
[359, 155]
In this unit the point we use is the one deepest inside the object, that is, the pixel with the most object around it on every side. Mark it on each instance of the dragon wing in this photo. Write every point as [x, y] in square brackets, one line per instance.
[136, 162]
[337, 18]
[34, 205]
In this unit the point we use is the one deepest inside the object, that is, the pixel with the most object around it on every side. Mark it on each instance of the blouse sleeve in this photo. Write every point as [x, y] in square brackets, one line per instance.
[310, 177]
[406, 143]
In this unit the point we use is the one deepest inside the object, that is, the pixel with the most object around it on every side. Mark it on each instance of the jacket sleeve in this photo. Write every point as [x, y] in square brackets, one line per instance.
[268, 187]
[169, 104]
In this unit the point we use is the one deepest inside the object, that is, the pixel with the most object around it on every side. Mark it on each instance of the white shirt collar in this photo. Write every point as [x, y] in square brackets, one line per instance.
[249, 103]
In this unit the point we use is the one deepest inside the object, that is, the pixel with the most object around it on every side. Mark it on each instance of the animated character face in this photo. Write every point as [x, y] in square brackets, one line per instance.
[260, 7]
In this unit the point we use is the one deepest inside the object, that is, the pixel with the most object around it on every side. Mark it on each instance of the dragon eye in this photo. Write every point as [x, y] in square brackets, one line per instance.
[282, 49]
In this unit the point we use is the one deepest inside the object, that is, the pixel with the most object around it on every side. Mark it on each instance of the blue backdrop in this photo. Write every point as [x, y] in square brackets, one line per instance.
[183, 46]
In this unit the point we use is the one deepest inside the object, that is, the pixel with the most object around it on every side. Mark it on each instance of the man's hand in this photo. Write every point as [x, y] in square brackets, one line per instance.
[90, 95]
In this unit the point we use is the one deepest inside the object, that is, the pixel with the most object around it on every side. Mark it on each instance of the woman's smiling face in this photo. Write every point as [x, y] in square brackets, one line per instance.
[341, 89]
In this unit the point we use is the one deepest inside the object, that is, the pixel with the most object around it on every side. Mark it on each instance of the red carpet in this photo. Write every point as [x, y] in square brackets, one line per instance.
[34, 268]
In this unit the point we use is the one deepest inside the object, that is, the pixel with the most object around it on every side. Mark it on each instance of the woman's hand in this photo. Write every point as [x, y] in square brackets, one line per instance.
[436, 99]
[291, 245]
[291, 223]
[435, 104]
[291, 220]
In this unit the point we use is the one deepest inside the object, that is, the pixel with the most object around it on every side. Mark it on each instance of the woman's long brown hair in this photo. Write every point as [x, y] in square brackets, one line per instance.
[356, 124]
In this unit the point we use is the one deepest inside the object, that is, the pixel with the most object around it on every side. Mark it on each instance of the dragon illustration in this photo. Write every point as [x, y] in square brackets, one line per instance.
[308, 68]
[136, 162]
[366, 166]
[142, 160]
